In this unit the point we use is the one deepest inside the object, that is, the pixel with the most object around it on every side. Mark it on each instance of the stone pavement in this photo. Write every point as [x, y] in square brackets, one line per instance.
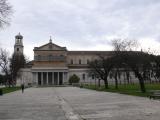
[93, 105]
[71, 103]
[33, 104]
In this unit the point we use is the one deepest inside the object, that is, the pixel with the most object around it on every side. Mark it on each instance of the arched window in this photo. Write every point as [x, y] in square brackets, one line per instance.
[17, 49]
[79, 61]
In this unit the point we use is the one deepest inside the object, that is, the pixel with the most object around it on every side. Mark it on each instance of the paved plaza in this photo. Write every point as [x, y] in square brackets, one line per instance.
[71, 103]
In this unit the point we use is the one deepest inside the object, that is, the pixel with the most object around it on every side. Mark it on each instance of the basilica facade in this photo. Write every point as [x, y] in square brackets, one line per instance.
[54, 64]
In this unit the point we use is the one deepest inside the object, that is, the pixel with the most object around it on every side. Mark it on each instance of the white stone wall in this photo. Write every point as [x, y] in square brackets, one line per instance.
[27, 77]
[88, 78]
[92, 80]
[79, 73]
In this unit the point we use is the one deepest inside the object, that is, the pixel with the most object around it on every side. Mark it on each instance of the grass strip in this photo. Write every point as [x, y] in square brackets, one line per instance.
[6, 90]
[129, 89]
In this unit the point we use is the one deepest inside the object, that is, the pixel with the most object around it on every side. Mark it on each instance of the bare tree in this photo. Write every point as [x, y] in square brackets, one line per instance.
[124, 44]
[4, 64]
[119, 46]
[140, 64]
[156, 68]
[5, 12]
[129, 60]
[101, 68]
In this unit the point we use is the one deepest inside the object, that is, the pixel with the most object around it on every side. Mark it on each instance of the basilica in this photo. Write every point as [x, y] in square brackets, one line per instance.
[54, 64]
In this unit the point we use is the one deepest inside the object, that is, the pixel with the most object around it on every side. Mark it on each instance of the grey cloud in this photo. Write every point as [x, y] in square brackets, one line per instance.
[83, 23]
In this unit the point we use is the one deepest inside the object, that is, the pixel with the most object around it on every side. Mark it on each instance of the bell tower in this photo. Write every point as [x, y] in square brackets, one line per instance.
[18, 47]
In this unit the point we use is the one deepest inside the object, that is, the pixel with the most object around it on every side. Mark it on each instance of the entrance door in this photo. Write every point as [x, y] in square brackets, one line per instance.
[60, 78]
[39, 78]
[44, 78]
[56, 78]
[49, 78]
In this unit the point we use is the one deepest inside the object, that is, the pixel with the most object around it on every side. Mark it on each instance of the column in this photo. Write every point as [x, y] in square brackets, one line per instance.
[52, 78]
[63, 77]
[67, 79]
[36, 78]
[58, 78]
[41, 78]
[47, 79]
[33, 78]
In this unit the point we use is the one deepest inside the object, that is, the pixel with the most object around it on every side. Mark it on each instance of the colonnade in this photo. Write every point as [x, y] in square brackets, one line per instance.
[49, 78]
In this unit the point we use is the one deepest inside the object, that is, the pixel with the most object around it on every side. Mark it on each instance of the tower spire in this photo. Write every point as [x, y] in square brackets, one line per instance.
[50, 40]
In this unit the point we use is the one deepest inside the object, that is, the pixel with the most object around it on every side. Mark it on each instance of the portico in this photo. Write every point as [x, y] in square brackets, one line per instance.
[49, 77]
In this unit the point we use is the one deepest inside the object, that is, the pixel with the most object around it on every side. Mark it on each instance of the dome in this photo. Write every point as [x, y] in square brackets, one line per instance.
[19, 36]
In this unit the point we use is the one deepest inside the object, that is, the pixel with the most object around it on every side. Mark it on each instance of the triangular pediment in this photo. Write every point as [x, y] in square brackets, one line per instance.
[50, 46]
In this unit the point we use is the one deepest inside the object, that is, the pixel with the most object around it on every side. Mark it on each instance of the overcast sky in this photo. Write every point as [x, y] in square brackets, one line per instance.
[83, 24]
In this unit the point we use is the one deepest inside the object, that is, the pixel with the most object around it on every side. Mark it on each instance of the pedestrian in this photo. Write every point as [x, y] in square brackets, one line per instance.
[22, 87]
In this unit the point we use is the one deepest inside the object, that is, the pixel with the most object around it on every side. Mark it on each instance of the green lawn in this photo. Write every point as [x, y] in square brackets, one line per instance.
[130, 89]
[9, 89]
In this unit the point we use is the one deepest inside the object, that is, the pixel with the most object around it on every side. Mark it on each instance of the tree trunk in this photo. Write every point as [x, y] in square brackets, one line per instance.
[106, 83]
[128, 80]
[99, 83]
[7, 79]
[116, 81]
[141, 82]
[95, 84]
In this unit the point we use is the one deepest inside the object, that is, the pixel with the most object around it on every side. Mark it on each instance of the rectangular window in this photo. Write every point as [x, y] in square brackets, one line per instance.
[87, 61]
[50, 57]
[39, 57]
[92, 76]
[83, 76]
[79, 61]
[71, 61]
